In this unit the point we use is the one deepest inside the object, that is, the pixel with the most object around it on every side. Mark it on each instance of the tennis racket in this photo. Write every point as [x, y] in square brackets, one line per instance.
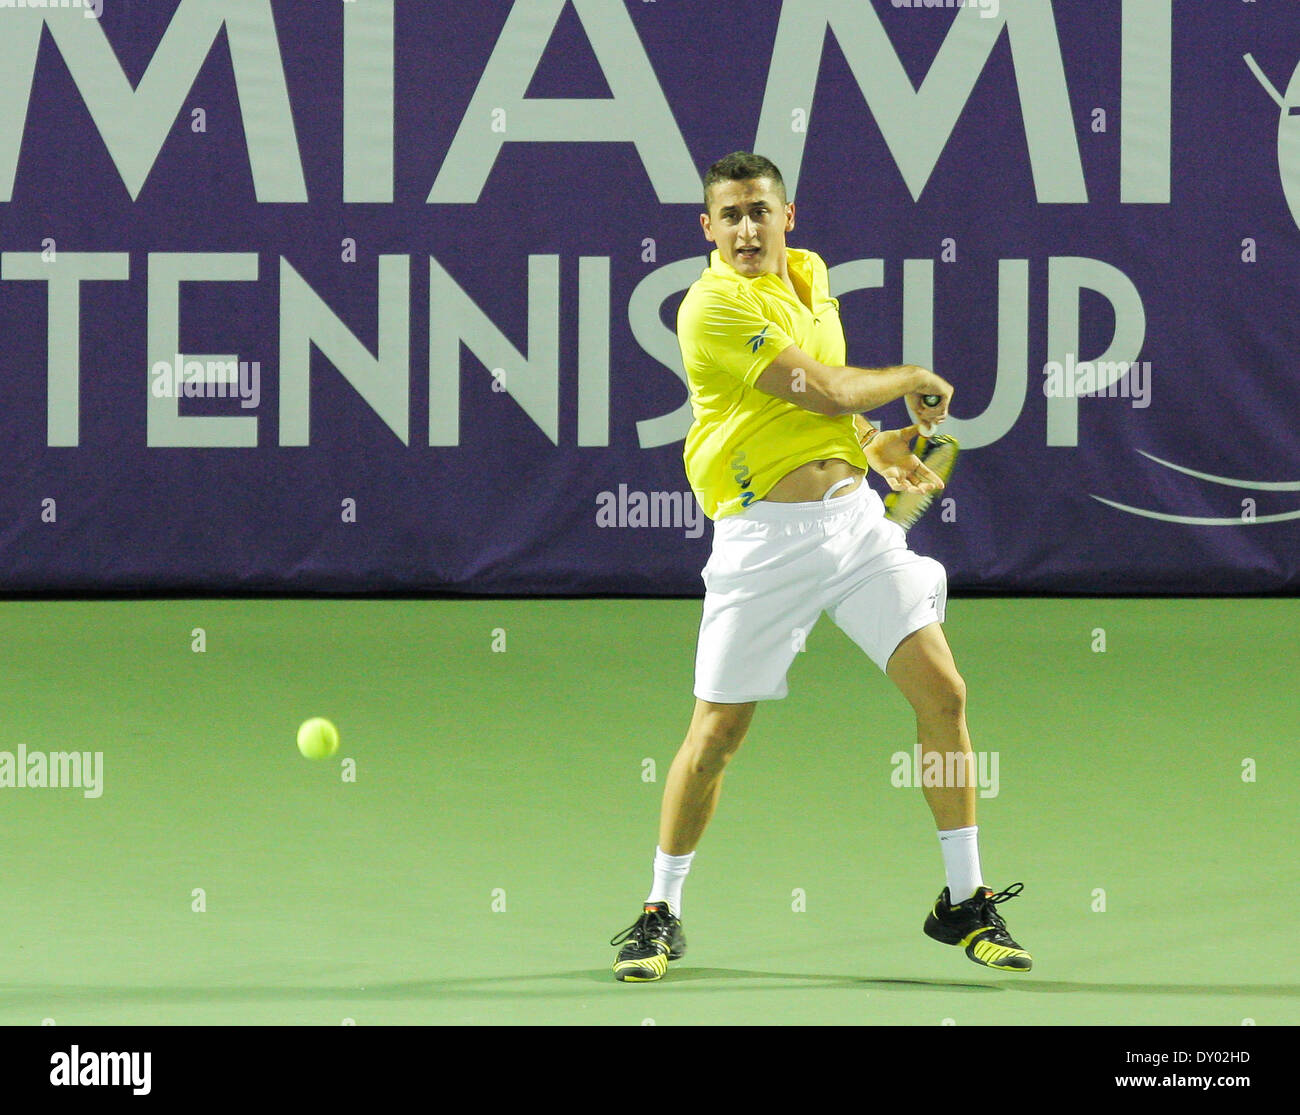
[938, 453]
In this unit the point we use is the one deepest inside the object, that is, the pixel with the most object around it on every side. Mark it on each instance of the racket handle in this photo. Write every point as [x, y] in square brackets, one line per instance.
[930, 400]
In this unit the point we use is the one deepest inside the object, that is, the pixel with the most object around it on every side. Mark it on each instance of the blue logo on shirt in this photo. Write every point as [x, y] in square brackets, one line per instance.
[741, 471]
[758, 340]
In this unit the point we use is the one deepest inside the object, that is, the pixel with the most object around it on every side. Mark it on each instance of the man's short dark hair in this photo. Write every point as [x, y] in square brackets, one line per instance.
[741, 166]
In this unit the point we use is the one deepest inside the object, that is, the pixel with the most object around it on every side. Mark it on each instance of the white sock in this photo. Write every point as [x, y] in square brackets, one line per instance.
[670, 874]
[961, 862]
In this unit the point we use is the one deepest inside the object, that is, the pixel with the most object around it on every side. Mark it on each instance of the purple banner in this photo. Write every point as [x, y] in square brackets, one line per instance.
[375, 296]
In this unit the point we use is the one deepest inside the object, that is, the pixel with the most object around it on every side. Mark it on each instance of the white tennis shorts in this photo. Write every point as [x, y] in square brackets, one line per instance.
[776, 567]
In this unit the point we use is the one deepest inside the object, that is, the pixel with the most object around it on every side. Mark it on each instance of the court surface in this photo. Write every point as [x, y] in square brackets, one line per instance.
[489, 822]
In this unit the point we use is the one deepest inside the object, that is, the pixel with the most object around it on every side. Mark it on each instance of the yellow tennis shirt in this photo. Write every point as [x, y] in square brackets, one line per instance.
[730, 328]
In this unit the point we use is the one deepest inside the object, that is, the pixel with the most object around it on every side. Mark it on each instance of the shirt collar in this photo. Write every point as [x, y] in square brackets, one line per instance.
[797, 260]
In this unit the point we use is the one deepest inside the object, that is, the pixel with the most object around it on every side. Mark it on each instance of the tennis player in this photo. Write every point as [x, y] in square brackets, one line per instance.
[777, 457]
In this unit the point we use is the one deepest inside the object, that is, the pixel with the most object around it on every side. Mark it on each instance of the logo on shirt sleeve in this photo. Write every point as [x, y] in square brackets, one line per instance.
[758, 340]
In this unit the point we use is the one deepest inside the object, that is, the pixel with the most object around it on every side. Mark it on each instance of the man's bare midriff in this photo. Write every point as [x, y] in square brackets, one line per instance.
[809, 482]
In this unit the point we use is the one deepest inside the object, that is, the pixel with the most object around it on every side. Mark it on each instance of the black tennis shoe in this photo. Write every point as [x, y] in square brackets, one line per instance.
[977, 926]
[651, 941]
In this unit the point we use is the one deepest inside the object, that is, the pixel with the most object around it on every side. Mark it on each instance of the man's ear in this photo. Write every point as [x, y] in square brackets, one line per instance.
[707, 225]
[789, 217]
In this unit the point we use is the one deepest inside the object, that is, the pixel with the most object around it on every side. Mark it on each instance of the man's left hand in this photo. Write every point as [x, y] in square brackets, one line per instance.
[890, 454]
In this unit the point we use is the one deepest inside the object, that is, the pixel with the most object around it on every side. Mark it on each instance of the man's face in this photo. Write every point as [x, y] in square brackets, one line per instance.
[748, 223]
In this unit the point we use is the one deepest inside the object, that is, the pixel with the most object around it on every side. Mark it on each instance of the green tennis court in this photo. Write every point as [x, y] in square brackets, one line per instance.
[491, 817]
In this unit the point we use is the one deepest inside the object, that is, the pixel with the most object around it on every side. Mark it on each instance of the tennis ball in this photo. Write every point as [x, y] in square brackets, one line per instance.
[318, 738]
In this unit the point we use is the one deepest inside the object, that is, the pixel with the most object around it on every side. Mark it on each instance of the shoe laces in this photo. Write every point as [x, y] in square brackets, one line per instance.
[639, 929]
[987, 904]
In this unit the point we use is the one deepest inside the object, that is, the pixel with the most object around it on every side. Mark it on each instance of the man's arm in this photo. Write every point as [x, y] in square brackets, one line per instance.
[797, 378]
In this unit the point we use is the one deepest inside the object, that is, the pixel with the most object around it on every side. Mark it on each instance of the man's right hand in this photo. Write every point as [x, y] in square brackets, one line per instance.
[923, 413]
[935, 387]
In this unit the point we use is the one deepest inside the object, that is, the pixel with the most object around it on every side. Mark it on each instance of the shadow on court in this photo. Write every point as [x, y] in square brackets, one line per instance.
[803, 979]
[1068, 987]
[546, 985]
[578, 985]
[553, 984]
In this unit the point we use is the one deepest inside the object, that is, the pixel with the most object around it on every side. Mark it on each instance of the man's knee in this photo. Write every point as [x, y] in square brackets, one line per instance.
[944, 698]
[923, 669]
[716, 734]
